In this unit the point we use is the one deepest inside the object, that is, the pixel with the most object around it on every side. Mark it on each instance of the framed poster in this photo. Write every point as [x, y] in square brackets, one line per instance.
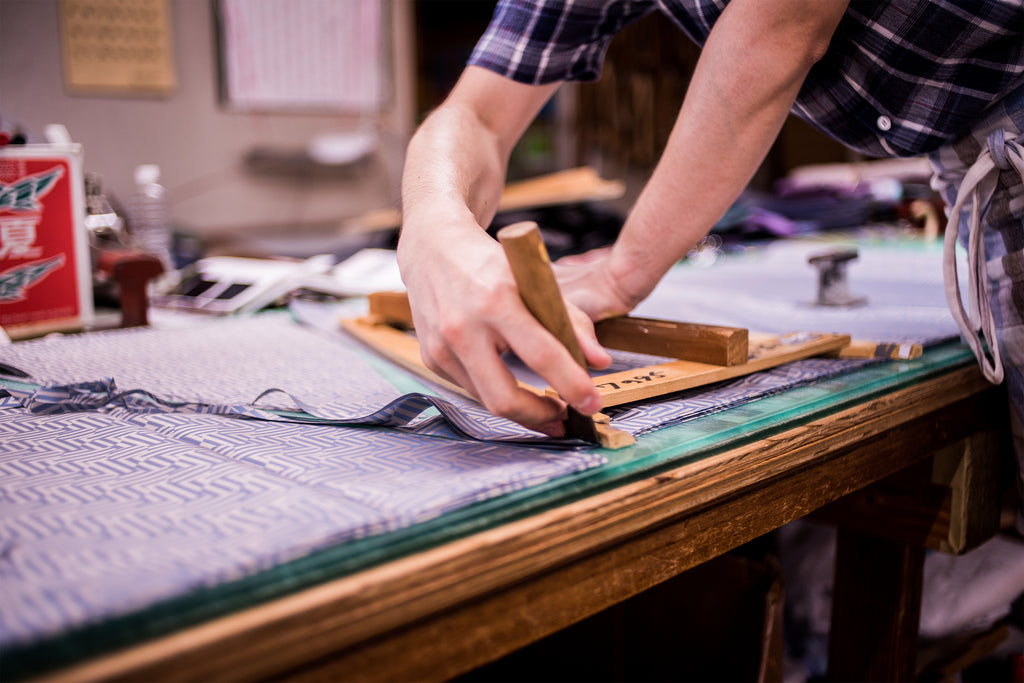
[45, 271]
[302, 56]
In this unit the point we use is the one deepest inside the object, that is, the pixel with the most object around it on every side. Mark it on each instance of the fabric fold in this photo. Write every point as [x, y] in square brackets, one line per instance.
[104, 395]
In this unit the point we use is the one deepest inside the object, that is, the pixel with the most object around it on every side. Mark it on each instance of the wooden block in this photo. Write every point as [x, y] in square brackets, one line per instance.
[876, 607]
[859, 348]
[714, 344]
[391, 308]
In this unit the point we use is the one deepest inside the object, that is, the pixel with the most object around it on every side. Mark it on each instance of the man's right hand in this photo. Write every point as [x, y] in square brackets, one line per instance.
[467, 312]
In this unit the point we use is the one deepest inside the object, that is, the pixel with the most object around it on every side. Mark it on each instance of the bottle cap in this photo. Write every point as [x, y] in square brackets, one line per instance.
[146, 174]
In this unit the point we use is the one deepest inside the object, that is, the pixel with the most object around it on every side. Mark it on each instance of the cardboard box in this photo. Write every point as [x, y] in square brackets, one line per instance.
[45, 272]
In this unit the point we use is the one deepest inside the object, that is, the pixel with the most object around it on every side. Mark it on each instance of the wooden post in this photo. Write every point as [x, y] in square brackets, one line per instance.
[538, 288]
[876, 607]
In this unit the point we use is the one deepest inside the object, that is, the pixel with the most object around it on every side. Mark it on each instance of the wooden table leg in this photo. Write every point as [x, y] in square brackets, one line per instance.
[876, 609]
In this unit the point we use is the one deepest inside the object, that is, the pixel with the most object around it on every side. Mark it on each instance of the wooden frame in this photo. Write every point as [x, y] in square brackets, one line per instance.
[617, 388]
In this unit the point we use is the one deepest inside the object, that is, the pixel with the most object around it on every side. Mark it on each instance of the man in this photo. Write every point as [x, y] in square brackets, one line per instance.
[896, 78]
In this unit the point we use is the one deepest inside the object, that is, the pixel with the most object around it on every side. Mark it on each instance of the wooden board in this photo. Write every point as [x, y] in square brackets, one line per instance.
[573, 185]
[715, 344]
[117, 46]
[766, 351]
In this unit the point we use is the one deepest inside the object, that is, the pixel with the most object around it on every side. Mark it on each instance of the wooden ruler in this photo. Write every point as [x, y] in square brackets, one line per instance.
[766, 352]
[712, 344]
[715, 344]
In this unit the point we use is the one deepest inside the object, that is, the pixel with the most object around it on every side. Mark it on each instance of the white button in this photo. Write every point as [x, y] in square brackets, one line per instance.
[884, 123]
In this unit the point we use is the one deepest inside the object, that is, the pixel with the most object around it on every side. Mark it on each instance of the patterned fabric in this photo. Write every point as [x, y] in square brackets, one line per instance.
[932, 66]
[265, 367]
[193, 475]
[103, 513]
[981, 177]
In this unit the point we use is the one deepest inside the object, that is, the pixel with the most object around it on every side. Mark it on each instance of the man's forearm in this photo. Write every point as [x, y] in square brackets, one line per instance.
[452, 167]
[457, 158]
[748, 76]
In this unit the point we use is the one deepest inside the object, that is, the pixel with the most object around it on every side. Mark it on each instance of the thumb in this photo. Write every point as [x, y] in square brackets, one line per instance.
[595, 354]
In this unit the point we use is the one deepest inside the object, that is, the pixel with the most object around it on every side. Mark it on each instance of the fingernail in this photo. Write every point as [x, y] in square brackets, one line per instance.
[590, 405]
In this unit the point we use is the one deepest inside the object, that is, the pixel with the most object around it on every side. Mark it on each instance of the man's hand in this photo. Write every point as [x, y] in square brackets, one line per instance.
[464, 300]
[586, 282]
[467, 312]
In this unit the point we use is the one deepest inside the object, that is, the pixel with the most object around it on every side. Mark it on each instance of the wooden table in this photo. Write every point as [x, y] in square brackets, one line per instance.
[448, 608]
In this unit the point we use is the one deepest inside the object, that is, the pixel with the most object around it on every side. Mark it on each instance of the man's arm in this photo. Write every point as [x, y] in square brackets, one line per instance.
[465, 305]
[463, 297]
[746, 80]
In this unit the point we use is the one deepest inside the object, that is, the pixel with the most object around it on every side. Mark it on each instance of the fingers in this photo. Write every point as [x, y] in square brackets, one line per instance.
[546, 356]
[597, 356]
[477, 367]
[467, 312]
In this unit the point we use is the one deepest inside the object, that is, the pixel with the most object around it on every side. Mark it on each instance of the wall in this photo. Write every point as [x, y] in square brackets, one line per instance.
[200, 146]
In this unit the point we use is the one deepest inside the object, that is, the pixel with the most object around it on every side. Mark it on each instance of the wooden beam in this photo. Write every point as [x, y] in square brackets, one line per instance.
[714, 344]
[391, 308]
[876, 607]
[950, 503]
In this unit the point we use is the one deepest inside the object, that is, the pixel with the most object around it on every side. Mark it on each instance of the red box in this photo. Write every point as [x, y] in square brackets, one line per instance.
[45, 272]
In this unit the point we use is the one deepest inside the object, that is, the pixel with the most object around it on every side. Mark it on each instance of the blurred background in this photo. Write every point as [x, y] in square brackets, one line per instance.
[274, 137]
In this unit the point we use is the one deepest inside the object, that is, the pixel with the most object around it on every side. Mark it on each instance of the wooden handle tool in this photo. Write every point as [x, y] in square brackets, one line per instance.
[531, 268]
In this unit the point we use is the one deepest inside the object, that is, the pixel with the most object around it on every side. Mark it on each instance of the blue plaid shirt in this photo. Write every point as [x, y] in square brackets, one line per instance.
[900, 78]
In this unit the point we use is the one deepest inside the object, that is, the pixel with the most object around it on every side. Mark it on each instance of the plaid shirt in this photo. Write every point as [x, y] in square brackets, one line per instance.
[900, 78]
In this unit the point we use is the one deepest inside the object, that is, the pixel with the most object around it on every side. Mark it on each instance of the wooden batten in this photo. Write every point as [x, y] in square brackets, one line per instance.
[714, 344]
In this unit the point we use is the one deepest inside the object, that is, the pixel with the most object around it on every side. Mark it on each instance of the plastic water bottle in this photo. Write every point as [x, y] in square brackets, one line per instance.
[148, 216]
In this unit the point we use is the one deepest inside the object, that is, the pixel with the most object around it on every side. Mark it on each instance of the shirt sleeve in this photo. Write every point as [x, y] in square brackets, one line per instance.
[544, 41]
